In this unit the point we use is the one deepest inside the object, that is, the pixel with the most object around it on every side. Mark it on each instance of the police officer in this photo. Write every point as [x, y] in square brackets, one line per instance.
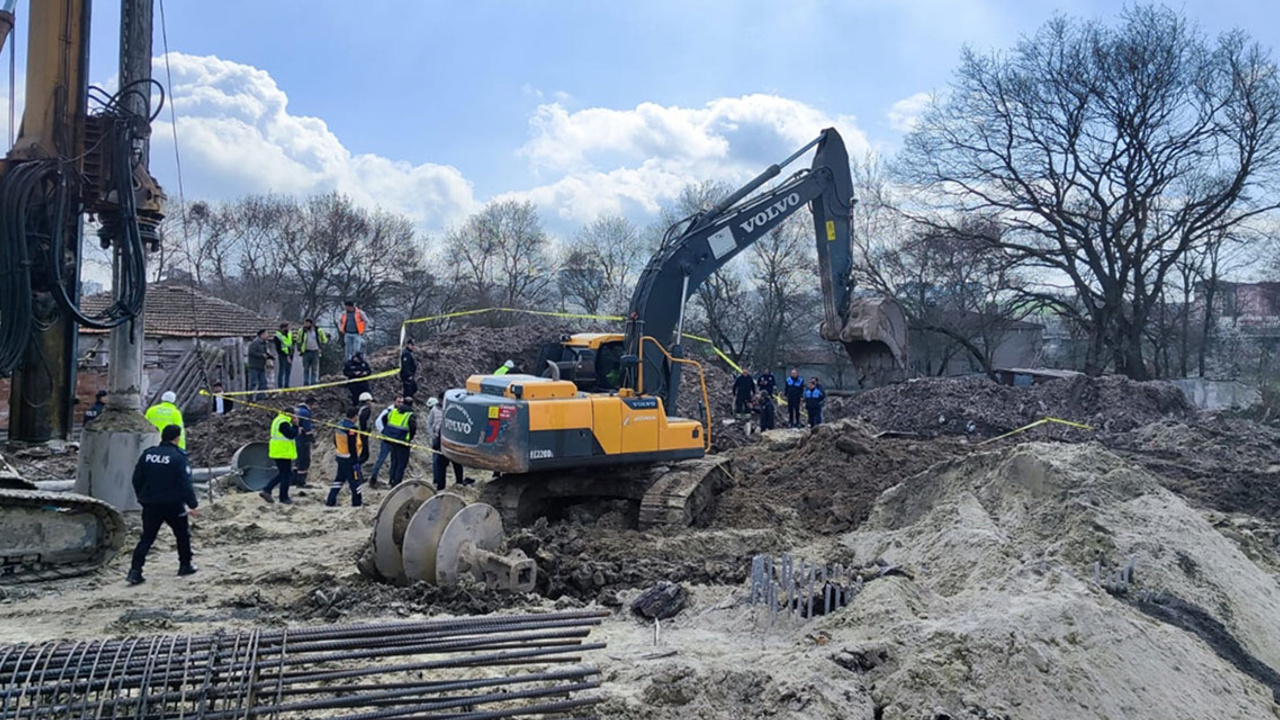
[162, 482]
[814, 398]
[99, 404]
[795, 396]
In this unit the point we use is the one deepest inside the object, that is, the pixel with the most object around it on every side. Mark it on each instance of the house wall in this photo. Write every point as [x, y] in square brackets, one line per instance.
[160, 355]
[1020, 347]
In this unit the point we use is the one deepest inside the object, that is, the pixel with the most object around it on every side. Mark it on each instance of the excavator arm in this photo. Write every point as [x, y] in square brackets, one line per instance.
[873, 331]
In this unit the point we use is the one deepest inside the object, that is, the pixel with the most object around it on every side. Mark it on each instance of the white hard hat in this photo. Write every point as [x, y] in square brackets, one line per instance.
[509, 364]
[168, 396]
[432, 402]
[366, 396]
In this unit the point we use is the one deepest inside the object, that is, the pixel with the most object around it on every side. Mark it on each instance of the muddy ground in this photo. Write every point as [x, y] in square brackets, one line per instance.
[997, 614]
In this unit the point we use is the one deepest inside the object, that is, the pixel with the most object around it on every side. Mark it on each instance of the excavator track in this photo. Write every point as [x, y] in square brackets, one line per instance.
[675, 494]
[48, 535]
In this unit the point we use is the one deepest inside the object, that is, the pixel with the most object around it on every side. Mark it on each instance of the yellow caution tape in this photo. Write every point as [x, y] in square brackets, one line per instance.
[326, 423]
[1038, 423]
[335, 383]
[520, 311]
[562, 315]
[717, 351]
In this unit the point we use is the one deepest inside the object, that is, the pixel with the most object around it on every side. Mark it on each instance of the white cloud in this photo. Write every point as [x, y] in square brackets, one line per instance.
[238, 137]
[905, 114]
[636, 159]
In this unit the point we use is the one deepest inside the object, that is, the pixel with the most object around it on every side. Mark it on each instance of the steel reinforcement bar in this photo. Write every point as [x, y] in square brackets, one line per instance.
[466, 668]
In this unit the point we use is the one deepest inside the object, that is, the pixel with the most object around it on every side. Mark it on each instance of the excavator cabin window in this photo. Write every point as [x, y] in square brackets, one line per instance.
[609, 366]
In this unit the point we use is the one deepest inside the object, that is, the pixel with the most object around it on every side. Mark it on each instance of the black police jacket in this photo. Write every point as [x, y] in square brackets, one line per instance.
[163, 477]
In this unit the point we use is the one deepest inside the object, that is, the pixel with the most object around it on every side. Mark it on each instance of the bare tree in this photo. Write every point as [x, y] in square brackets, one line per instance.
[601, 265]
[784, 270]
[500, 257]
[283, 257]
[1107, 154]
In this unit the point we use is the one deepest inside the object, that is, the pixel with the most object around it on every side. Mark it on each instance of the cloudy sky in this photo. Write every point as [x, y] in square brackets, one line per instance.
[433, 108]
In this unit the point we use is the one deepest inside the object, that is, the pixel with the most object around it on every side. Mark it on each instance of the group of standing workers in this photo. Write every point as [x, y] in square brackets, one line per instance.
[756, 397]
[307, 343]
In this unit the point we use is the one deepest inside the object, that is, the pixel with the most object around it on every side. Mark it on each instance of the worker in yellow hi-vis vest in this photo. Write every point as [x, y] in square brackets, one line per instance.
[166, 413]
[282, 450]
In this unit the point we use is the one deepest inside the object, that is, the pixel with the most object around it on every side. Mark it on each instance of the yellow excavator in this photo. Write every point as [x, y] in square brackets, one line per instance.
[601, 421]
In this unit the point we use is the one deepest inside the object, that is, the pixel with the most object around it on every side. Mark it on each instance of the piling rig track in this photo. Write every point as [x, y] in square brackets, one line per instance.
[48, 535]
[421, 669]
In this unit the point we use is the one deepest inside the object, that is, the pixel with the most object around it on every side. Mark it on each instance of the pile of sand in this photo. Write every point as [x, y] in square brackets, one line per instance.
[1003, 617]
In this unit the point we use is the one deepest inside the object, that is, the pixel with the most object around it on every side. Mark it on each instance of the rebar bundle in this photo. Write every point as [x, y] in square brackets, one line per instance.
[801, 589]
[405, 670]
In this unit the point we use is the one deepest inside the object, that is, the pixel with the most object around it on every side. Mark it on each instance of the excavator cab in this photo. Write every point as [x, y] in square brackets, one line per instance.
[592, 361]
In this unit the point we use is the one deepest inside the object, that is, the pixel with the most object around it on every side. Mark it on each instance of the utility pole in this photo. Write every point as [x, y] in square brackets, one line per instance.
[112, 444]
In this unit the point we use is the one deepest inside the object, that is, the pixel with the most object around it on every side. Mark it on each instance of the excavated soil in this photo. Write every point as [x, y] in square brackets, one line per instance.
[1227, 464]
[445, 361]
[825, 480]
[978, 406]
[593, 561]
[39, 462]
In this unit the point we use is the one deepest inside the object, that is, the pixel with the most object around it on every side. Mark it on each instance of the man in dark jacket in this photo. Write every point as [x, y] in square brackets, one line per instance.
[408, 370]
[743, 389]
[357, 368]
[306, 435]
[257, 364]
[794, 391]
[221, 404]
[99, 404]
[162, 483]
[766, 382]
[364, 423]
[814, 397]
[767, 411]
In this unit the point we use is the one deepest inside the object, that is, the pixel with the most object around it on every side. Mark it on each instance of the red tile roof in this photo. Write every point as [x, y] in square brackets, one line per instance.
[179, 311]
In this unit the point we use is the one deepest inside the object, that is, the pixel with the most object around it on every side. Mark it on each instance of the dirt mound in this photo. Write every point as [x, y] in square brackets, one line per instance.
[1227, 464]
[825, 480]
[1003, 608]
[978, 406]
[594, 563]
[445, 361]
[43, 462]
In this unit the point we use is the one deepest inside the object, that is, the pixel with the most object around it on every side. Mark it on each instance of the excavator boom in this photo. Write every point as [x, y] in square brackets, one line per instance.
[875, 339]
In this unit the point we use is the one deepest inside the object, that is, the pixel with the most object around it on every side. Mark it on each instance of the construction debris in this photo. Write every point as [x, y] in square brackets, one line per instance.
[661, 602]
[402, 669]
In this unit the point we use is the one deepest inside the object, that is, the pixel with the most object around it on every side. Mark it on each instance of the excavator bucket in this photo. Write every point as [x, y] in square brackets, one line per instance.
[875, 335]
